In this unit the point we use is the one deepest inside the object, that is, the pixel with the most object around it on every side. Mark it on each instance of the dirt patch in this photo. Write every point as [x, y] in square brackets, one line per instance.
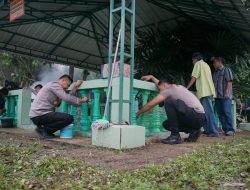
[153, 153]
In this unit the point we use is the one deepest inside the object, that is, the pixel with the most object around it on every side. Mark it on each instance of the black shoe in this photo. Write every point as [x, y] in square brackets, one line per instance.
[44, 134]
[39, 131]
[48, 135]
[193, 136]
[205, 133]
[172, 139]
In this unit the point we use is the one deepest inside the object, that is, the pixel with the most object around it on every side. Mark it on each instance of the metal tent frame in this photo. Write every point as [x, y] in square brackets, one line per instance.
[77, 32]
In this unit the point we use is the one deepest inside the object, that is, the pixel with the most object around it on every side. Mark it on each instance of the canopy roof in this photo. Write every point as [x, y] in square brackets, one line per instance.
[76, 32]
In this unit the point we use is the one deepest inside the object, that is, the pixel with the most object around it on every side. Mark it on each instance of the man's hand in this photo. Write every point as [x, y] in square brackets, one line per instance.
[146, 78]
[83, 99]
[57, 102]
[226, 96]
[137, 115]
[157, 100]
[2, 111]
[192, 81]
[78, 83]
[228, 87]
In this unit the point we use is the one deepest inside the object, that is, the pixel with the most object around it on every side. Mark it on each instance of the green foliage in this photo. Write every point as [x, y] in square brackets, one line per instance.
[21, 69]
[162, 52]
[206, 168]
[241, 70]
[5, 58]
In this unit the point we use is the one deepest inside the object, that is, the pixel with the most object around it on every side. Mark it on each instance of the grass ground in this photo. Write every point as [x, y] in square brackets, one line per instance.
[219, 166]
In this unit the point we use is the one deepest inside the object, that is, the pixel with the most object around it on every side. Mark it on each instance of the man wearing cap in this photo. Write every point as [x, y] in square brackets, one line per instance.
[223, 78]
[202, 76]
[42, 111]
[185, 112]
[3, 93]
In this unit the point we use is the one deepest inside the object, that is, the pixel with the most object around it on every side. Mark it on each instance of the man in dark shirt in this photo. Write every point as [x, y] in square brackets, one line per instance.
[185, 112]
[3, 92]
[245, 110]
[223, 79]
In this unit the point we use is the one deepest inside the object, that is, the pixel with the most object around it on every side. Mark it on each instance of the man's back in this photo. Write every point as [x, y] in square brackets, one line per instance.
[178, 92]
[204, 81]
[43, 103]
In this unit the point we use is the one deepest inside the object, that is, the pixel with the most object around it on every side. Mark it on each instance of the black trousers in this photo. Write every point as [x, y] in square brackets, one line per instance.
[181, 118]
[53, 121]
[2, 102]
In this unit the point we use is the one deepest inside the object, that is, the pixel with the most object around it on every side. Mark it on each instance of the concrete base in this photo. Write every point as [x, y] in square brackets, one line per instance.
[245, 126]
[119, 137]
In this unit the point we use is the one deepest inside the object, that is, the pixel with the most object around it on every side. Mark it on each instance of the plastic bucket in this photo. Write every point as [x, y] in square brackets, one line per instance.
[67, 132]
[7, 122]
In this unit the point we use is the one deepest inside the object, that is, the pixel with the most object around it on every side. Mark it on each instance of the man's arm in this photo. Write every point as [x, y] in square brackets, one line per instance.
[76, 86]
[241, 108]
[229, 78]
[158, 99]
[70, 99]
[192, 81]
[195, 75]
[227, 88]
[150, 77]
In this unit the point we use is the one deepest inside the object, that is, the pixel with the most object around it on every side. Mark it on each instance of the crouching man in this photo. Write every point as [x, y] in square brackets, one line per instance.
[42, 111]
[185, 112]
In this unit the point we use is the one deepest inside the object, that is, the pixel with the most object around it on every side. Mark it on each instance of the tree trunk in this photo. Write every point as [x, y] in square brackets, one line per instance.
[85, 74]
[71, 71]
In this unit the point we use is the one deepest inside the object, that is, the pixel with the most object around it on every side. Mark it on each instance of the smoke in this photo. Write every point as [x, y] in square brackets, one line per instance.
[51, 72]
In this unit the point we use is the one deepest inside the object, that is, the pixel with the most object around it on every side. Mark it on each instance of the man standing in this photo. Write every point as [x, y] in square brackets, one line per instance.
[3, 93]
[42, 111]
[202, 76]
[223, 78]
[245, 110]
[185, 112]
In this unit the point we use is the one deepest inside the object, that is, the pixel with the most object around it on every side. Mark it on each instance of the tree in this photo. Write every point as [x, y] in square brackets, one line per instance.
[162, 52]
[20, 69]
